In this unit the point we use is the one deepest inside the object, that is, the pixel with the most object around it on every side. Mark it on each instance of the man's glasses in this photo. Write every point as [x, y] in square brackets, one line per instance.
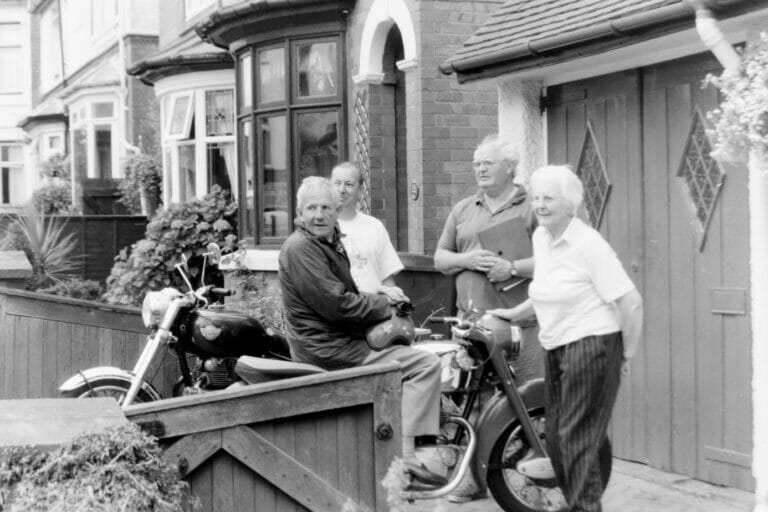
[483, 163]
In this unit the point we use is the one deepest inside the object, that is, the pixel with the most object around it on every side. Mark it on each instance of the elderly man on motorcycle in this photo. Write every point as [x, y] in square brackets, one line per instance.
[327, 316]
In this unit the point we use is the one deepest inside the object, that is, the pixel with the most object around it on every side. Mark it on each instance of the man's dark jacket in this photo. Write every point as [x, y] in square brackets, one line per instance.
[326, 314]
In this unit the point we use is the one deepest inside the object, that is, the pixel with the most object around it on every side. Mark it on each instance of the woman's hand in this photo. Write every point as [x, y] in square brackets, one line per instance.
[480, 260]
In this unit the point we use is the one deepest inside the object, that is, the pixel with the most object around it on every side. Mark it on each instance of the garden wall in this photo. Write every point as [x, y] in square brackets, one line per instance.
[44, 339]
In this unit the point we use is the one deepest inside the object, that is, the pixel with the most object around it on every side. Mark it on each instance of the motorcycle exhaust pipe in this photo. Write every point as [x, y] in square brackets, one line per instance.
[459, 474]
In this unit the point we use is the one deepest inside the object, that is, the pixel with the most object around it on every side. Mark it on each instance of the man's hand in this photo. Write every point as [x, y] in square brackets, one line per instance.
[511, 314]
[500, 271]
[480, 260]
[393, 293]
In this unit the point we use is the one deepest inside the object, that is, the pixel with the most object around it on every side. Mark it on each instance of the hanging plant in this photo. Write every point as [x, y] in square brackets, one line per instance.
[141, 185]
[740, 124]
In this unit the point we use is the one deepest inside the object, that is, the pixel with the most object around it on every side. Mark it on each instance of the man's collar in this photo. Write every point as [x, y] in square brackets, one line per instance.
[335, 240]
[572, 231]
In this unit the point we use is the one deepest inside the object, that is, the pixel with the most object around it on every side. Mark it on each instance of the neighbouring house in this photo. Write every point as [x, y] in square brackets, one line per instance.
[255, 96]
[83, 103]
[16, 181]
[615, 89]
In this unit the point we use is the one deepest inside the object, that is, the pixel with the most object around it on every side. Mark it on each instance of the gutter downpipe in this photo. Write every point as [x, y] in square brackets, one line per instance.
[757, 165]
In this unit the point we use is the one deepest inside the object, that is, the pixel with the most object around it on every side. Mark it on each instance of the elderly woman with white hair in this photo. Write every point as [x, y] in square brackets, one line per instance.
[590, 320]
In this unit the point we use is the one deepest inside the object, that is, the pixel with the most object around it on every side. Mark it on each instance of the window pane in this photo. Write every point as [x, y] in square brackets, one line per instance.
[179, 114]
[167, 177]
[317, 69]
[318, 143]
[187, 171]
[271, 75]
[246, 168]
[246, 98]
[10, 153]
[103, 109]
[80, 152]
[219, 113]
[273, 164]
[221, 166]
[5, 186]
[15, 185]
[103, 152]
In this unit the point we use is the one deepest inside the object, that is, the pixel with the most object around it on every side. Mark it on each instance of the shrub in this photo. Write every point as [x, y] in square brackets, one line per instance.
[76, 288]
[181, 229]
[52, 199]
[741, 121]
[48, 249]
[121, 468]
[141, 184]
[256, 298]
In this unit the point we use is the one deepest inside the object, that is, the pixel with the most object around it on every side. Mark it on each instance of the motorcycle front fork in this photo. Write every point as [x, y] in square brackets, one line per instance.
[149, 361]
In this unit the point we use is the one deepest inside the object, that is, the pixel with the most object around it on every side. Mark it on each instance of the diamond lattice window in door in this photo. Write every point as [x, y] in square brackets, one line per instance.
[362, 154]
[703, 177]
[593, 176]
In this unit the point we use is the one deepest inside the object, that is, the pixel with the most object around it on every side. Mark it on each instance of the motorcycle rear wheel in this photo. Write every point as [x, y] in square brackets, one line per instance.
[116, 388]
[516, 493]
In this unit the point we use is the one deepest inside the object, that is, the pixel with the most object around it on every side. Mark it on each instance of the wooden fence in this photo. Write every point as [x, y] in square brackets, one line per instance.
[320, 443]
[44, 339]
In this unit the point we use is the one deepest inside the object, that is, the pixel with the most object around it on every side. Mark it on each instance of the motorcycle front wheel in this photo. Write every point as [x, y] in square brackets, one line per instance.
[513, 491]
[116, 388]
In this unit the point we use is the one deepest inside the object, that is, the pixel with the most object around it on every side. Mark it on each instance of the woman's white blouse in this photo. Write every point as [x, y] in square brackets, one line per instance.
[576, 281]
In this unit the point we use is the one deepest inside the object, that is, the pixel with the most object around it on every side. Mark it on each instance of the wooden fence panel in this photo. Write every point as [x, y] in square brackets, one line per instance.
[45, 339]
[308, 443]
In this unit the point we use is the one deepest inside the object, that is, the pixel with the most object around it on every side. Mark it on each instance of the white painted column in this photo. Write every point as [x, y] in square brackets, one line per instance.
[522, 123]
[758, 214]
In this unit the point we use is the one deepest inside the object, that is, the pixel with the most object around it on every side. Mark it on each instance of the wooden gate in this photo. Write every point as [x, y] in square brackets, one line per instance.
[678, 220]
[320, 443]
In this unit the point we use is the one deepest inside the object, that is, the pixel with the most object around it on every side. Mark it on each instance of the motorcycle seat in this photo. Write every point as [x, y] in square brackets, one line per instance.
[259, 369]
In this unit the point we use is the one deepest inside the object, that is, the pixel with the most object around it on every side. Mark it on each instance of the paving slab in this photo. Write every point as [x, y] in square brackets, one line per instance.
[634, 488]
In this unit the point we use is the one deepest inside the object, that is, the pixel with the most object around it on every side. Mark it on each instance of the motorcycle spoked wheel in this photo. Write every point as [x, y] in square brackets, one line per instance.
[116, 388]
[515, 492]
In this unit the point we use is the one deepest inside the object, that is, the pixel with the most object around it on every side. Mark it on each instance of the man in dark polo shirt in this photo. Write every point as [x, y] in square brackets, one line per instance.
[327, 316]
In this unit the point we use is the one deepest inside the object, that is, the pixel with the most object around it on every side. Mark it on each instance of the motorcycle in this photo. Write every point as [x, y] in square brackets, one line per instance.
[206, 338]
[509, 429]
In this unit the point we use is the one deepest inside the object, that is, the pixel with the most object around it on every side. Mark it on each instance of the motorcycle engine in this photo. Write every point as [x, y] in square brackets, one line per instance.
[215, 372]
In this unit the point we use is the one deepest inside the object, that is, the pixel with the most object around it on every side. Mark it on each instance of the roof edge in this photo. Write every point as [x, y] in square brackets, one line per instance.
[533, 47]
[151, 69]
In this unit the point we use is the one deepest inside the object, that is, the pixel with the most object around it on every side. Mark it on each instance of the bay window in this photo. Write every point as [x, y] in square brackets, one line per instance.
[198, 143]
[94, 134]
[291, 125]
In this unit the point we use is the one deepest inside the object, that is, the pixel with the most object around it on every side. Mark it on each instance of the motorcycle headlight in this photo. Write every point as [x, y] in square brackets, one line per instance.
[155, 305]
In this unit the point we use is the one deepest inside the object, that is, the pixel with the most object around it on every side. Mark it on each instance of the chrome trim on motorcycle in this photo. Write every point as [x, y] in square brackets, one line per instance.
[459, 474]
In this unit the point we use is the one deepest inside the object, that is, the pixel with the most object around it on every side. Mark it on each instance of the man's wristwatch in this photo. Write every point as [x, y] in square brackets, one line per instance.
[513, 269]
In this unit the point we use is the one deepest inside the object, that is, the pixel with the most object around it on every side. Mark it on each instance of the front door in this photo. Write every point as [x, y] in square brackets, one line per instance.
[678, 220]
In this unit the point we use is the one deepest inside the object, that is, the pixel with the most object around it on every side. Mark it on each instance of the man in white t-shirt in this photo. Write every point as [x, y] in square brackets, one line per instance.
[372, 259]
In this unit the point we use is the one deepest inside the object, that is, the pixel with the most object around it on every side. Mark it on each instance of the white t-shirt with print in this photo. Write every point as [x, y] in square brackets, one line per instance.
[371, 255]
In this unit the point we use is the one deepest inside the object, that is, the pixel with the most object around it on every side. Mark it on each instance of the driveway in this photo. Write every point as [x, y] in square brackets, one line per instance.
[635, 488]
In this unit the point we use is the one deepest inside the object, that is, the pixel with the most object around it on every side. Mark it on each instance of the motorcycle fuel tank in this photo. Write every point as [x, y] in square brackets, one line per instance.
[221, 333]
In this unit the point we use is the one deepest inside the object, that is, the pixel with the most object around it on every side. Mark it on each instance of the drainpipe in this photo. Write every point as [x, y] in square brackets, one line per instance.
[757, 165]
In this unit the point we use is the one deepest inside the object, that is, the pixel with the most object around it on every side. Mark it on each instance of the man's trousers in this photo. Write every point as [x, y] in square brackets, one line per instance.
[421, 387]
[582, 380]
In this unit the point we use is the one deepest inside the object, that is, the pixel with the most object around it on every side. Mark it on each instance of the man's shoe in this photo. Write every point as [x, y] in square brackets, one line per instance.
[420, 473]
[539, 468]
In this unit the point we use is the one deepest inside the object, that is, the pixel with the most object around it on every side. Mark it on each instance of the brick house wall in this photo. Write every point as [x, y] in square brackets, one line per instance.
[444, 122]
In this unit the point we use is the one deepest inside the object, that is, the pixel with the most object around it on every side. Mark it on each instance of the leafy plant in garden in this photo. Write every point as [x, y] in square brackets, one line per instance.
[741, 122]
[76, 288]
[49, 249]
[55, 196]
[121, 468]
[141, 185]
[181, 229]
[257, 298]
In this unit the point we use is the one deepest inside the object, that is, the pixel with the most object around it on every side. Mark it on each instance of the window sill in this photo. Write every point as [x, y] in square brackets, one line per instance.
[255, 259]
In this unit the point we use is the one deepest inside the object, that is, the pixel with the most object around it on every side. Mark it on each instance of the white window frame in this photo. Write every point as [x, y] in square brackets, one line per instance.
[17, 46]
[90, 123]
[187, 120]
[46, 151]
[201, 141]
[12, 164]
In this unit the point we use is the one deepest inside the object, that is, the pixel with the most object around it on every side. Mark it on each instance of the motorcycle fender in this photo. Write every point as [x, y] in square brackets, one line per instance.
[496, 416]
[81, 378]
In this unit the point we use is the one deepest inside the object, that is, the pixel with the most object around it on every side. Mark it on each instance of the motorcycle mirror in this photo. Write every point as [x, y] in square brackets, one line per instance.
[214, 252]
